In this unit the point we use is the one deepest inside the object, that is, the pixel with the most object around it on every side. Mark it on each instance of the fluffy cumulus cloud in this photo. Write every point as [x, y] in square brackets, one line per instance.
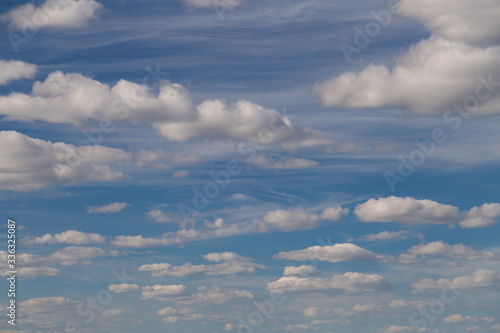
[115, 207]
[481, 216]
[158, 216]
[303, 270]
[160, 292]
[203, 295]
[338, 284]
[458, 20]
[63, 98]
[334, 253]
[415, 211]
[482, 278]
[334, 213]
[124, 288]
[53, 14]
[458, 64]
[73, 237]
[386, 235]
[288, 220]
[30, 164]
[228, 263]
[406, 210]
[459, 252]
[15, 70]
[291, 220]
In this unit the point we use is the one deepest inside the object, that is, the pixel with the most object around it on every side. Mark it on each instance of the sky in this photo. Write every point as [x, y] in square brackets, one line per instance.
[251, 166]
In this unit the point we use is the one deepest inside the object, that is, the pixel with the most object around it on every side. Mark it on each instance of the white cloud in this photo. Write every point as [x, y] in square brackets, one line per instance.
[175, 315]
[347, 283]
[158, 216]
[459, 252]
[414, 211]
[303, 270]
[457, 20]
[68, 237]
[181, 174]
[43, 303]
[406, 210]
[229, 327]
[315, 312]
[268, 163]
[458, 318]
[115, 312]
[482, 216]
[30, 164]
[215, 295]
[140, 241]
[334, 253]
[115, 207]
[482, 278]
[218, 223]
[227, 4]
[436, 73]
[124, 288]
[72, 255]
[287, 221]
[229, 263]
[398, 329]
[430, 78]
[334, 213]
[370, 307]
[15, 70]
[53, 14]
[33, 272]
[63, 98]
[203, 295]
[385, 235]
[160, 292]
[297, 327]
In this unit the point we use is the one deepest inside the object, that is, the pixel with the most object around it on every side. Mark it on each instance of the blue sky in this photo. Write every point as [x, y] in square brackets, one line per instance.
[247, 175]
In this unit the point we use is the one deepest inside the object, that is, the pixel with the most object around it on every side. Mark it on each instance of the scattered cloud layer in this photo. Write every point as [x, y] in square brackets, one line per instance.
[337, 284]
[229, 263]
